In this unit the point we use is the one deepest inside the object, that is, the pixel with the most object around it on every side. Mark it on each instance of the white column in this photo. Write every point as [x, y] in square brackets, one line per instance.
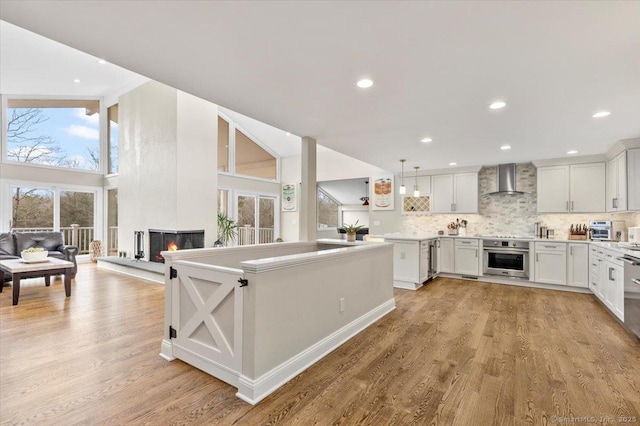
[308, 225]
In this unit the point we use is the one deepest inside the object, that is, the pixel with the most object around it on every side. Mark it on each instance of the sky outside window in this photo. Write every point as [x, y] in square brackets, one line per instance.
[56, 136]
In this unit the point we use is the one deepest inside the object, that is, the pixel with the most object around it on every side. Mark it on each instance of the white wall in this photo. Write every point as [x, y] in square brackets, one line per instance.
[332, 165]
[167, 176]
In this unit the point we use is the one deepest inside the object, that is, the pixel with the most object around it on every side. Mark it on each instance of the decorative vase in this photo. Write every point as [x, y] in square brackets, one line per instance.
[351, 237]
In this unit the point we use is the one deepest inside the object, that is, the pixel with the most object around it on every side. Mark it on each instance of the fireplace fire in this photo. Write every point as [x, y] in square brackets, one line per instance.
[165, 240]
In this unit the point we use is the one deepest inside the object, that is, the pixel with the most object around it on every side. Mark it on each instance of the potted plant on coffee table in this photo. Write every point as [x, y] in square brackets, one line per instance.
[351, 230]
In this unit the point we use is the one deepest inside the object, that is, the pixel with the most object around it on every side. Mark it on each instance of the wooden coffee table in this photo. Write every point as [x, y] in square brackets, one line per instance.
[20, 269]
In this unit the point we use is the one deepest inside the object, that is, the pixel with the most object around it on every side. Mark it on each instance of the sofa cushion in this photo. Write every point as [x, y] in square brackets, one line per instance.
[7, 244]
[49, 241]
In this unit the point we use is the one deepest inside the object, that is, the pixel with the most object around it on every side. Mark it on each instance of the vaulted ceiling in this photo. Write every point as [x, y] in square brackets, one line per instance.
[436, 67]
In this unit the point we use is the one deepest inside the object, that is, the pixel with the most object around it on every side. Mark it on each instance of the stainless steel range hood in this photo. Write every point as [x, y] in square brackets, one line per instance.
[506, 180]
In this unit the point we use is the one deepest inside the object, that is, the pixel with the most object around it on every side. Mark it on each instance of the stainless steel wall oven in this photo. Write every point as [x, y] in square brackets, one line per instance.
[506, 258]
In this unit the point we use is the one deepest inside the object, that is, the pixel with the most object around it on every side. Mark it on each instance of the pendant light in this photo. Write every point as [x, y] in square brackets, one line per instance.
[416, 190]
[366, 194]
[403, 189]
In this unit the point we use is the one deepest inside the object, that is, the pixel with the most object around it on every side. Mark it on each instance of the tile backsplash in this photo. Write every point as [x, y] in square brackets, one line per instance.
[505, 214]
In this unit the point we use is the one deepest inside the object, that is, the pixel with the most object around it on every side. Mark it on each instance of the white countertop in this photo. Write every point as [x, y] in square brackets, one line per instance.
[617, 247]
[422, 237]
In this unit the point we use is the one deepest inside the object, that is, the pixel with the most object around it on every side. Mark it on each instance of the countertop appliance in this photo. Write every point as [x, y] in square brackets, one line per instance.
[632, 294]
[607, 230]
[634, 234]
[506, 257]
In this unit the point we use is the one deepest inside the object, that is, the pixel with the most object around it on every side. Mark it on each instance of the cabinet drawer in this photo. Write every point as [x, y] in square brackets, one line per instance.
[466, 242]
[551, 246]
[593, 249]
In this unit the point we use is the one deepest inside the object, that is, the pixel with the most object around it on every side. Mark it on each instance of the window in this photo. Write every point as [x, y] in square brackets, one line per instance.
[223, 145]
[252, 160]
[69, 210]
[112, 139]
[241, 154]
[328, 211]
[223, 201]
[32, 209]
[59, 133]
[256, 219]
[112, 221]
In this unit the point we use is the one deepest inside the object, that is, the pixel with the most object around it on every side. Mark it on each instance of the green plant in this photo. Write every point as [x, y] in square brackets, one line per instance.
[352, 229]
[227, 228]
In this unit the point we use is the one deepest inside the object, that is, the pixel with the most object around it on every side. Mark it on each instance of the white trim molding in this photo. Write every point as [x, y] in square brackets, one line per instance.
[254, 391]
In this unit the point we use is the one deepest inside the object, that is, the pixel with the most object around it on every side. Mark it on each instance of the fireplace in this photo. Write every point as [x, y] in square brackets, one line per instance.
[162, 240]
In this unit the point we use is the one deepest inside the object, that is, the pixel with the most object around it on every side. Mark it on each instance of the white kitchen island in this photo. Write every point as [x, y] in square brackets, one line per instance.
[256, 316]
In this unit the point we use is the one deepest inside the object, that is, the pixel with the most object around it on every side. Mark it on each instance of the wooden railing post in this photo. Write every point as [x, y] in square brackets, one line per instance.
[74, 234]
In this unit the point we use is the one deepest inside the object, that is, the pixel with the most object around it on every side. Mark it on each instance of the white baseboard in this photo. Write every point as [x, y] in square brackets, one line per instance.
[520, 283]
[406, 285]
[166, 350]
[138, 273]
[253, 391]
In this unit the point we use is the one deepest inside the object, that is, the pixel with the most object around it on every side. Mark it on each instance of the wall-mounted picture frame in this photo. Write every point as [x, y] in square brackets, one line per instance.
[289, 197]
[382, 192]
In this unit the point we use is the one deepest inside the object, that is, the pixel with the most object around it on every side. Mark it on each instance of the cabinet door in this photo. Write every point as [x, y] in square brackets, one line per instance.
[445, 255]
[587, 193]
[406, 262]
[603, 280]
[551, 267]
[466, 261]
[633, 179]
[553, 189]
[441, 193]
[594, 280]
[617, 298]
[621, 179]
[612, 185]
[578, 265]
[465, 193]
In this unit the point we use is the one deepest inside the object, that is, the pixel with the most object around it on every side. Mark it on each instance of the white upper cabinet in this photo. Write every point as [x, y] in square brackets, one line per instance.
[441, 193]
[455, 193]
[579, 188]
[587, 188]
[617, 183]
[633, 179]
[553, 189]
[465, 193]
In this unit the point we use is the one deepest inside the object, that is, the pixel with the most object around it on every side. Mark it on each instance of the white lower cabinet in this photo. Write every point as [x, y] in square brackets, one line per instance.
[578, 265]
[410, 263]
[551, 263]
[446, 255]
[467, 252]
[606, 279]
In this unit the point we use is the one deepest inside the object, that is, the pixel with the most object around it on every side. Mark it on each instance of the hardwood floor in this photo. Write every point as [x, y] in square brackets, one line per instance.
[453, 352]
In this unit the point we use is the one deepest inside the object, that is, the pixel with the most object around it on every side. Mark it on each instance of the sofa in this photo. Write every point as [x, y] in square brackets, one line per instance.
[12, 244]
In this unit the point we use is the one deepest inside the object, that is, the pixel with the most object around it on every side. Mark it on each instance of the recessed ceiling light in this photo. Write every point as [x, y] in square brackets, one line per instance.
[505, 147]
[498, 105]
[426, 140]
[601, 114]
[364, 83]
[288, 134]
[76, 80]
[102, 61]
[453, 164]
[573, 151]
